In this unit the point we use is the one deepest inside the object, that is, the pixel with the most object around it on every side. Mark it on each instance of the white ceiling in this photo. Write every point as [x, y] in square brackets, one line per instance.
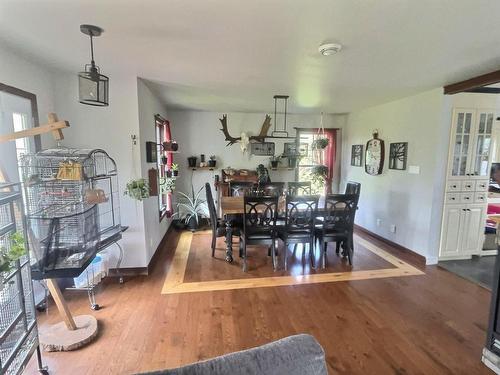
[234, 55]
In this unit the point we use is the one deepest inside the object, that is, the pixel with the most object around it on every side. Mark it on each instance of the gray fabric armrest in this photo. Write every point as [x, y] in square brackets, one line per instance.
[293, 355]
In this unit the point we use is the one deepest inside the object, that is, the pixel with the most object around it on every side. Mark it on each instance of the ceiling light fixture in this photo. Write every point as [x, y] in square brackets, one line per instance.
[93, 87]
[328, 49]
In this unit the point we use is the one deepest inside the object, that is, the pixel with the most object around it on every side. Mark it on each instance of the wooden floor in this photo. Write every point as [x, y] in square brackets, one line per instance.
[423, 324]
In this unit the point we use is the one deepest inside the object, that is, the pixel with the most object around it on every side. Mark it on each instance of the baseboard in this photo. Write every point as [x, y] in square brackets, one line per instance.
[409, 255]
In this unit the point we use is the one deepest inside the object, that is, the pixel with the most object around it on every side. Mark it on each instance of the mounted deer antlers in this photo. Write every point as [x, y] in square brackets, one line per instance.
[260, 138]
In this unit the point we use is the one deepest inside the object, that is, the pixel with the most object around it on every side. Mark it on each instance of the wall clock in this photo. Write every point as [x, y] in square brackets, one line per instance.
[374, 156]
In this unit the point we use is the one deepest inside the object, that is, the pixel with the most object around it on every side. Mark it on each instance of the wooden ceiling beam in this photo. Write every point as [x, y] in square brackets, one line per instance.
[472, 83]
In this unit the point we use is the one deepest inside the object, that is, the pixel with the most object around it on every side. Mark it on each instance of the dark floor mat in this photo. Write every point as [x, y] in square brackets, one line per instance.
[479, 270]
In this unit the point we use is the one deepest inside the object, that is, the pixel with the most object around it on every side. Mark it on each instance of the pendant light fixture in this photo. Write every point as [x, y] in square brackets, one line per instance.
[93, 87]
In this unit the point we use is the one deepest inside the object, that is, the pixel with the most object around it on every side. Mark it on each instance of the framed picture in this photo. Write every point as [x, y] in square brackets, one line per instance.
[398, 154]
[151, 152]
[357, 155]
[262, 148]
[290, 149]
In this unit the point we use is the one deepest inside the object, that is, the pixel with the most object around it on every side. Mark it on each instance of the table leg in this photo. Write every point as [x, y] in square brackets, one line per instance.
[229, 240]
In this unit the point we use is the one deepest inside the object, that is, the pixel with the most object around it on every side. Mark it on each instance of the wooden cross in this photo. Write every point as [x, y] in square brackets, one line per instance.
[54, 126]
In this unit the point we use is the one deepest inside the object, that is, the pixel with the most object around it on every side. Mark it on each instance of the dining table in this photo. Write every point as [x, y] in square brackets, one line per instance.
[234, 206]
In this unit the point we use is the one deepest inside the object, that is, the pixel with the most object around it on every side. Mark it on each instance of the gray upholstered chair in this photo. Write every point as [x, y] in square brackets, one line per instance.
[293, 355]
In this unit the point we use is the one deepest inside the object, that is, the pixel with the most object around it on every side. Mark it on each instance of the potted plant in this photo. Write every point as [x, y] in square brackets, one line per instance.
[292, 159]
[212, 161]
[137, 189]
[192, 161]
[275, 160]
[320, 143]
[164, 159]
[174, 146]
[168, 186]
[190, 209]
[168, 172]
[8, 256]
[175, 169]
[318, 174]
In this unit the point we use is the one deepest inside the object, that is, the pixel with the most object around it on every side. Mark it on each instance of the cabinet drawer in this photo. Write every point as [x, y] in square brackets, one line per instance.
[466, 197]
[452, 198]
[482, 185]
[468, 185]
[454, 186]
[480, 197]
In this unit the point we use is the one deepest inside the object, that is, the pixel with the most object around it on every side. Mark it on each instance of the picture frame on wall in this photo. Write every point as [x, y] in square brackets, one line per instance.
[357, 155]
[398, 155]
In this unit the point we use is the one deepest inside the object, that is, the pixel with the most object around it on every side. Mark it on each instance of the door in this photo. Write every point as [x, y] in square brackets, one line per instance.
[480, 160]
[450, 238]
[473, 229]
[461, 142]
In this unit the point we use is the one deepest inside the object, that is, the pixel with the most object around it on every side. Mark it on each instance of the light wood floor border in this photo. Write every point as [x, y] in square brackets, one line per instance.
[174, 282]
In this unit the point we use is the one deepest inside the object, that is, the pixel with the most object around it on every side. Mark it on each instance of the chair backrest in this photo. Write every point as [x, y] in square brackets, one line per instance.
[272, 188]
[340, 210]
[299, 188]
[301, 211]
[353, 188]
[211, 205]
[239, 189]
[260, 212]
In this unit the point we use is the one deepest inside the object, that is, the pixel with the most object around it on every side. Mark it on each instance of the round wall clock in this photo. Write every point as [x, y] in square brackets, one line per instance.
[374, 156]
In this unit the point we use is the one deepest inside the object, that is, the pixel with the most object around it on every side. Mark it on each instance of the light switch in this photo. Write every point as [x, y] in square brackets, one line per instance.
[414, 169]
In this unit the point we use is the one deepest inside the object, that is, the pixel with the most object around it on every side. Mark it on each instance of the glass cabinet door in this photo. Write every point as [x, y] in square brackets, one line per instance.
[481, 158]
[461, 142]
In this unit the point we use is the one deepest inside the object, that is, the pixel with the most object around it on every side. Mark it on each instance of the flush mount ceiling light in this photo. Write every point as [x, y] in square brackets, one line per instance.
[92, 85]
[328, 49]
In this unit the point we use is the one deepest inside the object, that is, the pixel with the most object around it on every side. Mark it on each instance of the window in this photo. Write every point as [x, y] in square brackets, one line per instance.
[312, 158]
[164, 163]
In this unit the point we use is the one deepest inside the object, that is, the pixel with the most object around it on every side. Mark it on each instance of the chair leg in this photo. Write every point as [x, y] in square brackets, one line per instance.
[213, 243]
[273, 253]
[337, 247]
[323, 252]
[241, 248]
[349, 251]
[311, 253]
[285, 256]
[294, 248]
[244, 256]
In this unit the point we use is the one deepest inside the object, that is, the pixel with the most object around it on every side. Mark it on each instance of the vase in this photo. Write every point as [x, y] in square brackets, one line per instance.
[192, 161]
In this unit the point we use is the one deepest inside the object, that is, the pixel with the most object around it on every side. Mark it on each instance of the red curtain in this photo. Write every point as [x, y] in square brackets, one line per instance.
[327, 156]
[170, 156]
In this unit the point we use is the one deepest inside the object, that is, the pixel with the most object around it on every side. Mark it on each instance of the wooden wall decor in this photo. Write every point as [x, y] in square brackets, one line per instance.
[398, 154]
[153, 182]
[374, 155]
[357, 155]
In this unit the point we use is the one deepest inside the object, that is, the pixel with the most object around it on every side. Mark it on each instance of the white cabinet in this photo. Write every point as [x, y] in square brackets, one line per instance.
[465, 204]
[462, 231]
[470, 143]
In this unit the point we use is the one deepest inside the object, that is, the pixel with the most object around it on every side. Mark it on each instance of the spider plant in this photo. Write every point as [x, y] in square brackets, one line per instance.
[190, 209]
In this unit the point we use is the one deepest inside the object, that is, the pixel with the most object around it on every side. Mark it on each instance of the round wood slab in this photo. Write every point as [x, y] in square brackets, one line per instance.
[58, 337]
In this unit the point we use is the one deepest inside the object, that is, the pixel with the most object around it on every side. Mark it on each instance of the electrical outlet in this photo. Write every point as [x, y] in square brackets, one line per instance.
[393, 228]
[379, 222]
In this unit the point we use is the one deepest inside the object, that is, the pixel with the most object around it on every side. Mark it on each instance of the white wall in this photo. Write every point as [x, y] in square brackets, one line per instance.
[149, 105]
[198, 132]
[413, 202]
[20, 73]
[109, 128]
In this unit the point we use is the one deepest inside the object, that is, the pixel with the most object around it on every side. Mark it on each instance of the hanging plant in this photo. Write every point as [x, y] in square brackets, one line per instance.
[137, 189]
[17, 250]
[320, 144]
[168, 186]
[319, 173]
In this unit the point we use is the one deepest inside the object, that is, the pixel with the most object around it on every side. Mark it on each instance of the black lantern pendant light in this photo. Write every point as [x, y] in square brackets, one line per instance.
[93, 87]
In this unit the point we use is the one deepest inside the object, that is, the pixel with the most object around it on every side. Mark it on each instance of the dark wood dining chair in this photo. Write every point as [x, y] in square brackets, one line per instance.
[272, 188]
[259, 225]
[218, 225]
[338, 223]
[300, 217]
[353, 188]
[299, 188]
[241, 188]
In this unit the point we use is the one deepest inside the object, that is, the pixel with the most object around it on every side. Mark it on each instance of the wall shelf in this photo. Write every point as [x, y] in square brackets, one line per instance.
[203, 168]
[282, 169]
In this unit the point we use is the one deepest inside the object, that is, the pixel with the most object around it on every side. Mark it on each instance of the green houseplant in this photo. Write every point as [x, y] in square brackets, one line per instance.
[175, 169]
[212, 161]
[318, 174]
[320, 143]
[16, 250]
[137, 189]
[190, 209]
[168, 185]
[274, 160]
